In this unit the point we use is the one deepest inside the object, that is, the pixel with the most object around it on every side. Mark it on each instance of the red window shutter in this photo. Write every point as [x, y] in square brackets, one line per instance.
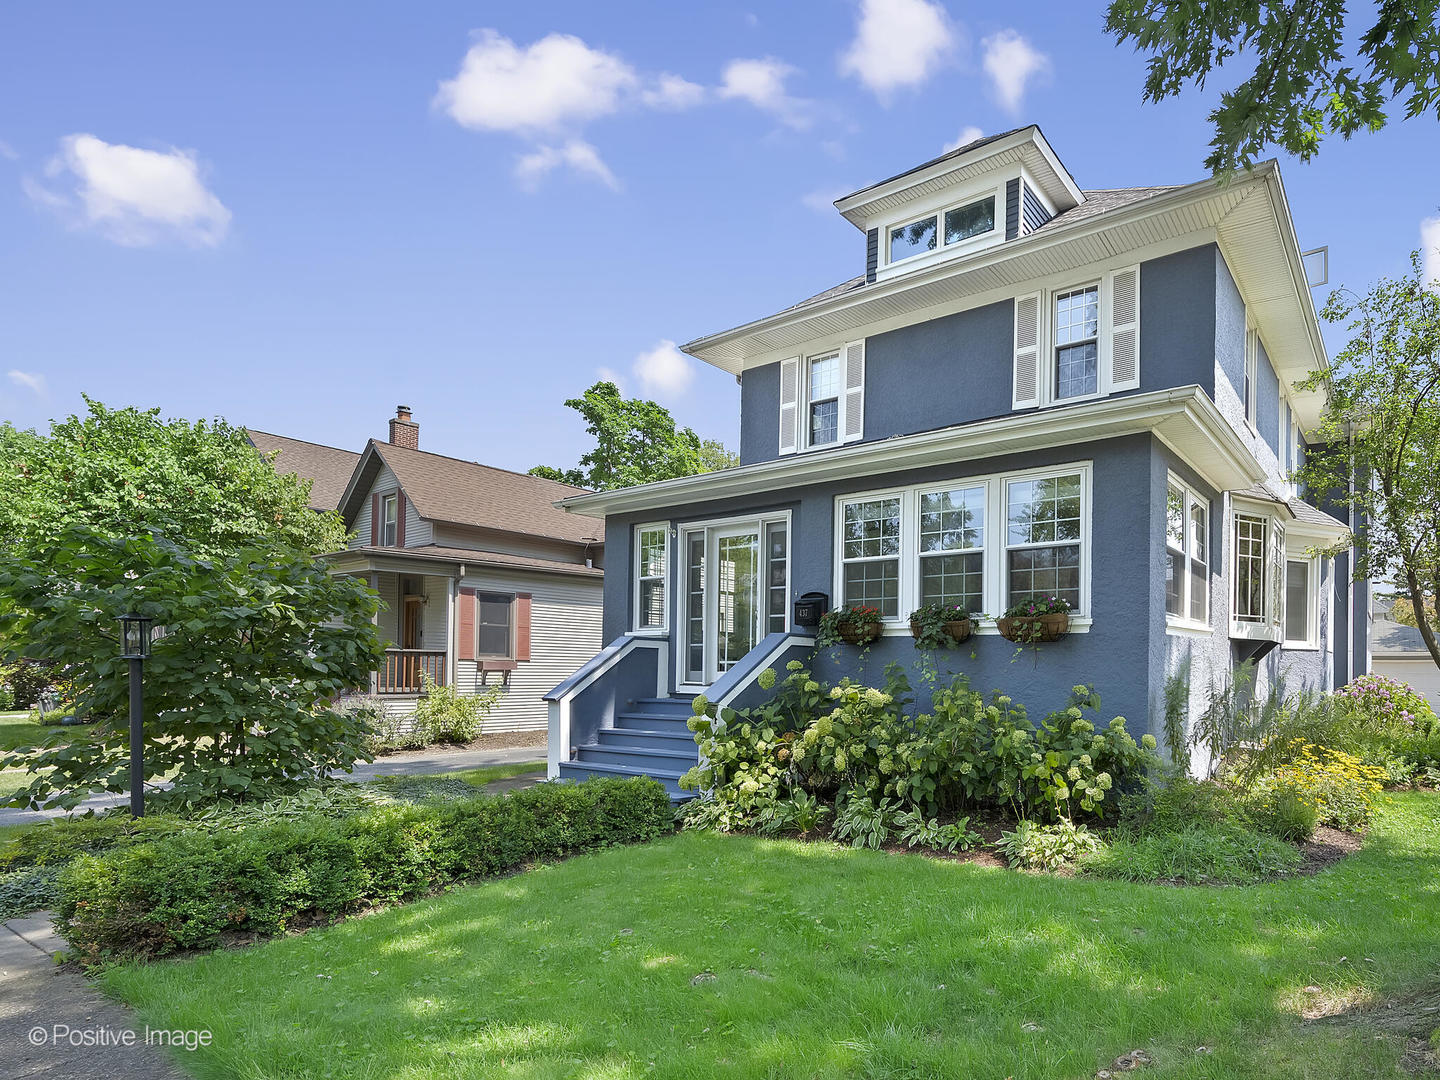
[522, 626]
[375, 520]
[399, 519]
[465, 635]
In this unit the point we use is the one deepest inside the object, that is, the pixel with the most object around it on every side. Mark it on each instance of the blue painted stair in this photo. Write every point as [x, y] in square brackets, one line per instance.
[648, 739]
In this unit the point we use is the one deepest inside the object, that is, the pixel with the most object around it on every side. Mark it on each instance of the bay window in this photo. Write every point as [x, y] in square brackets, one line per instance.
[1259, 573]
[1187, 544]
[651, 566]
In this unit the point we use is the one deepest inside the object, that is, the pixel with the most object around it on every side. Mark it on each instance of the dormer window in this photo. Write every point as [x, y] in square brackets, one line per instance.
[961, 223]
[390, 520]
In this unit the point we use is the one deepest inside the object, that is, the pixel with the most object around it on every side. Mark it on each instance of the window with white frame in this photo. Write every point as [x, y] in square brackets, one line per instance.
[953, 225]
[651, 565]
[389, 520]
[1077, 342]
[1302, 589]
[1259, 574]
[823, 388]
[1187, 543]
[870, 554]
[981, 542]
[952, 546]
[1043, 537]
[493, 637]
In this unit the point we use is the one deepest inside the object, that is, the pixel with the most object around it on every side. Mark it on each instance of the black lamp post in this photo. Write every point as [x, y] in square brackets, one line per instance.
[135, 647]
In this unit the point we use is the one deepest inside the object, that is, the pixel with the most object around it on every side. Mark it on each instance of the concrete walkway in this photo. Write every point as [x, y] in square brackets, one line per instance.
[409, 763]
[56, 1026]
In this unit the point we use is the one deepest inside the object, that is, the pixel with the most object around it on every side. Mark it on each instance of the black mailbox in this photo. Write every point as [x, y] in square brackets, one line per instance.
[810, 607]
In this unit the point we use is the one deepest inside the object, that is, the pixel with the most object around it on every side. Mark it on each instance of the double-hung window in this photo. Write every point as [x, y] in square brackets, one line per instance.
[1077, 342]
[981, 543]
[1043, 536]
[870, 554]
[493, 625]
[1187, 563]
[651, 559]
[823, 387]
[952, 546]
[389, 520]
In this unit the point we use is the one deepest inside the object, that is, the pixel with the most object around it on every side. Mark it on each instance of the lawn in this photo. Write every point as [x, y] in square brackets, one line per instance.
[18, 729]
[730, 956]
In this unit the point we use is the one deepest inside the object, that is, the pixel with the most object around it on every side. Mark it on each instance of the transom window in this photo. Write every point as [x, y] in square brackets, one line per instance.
[651, 551]
[981, 543]
[1077, 342]
[824, 399]
[389, 521]
[870, 551]
[952, 547]
[492, 625]
[1187, 543]
[1042, 538]
[964, 222]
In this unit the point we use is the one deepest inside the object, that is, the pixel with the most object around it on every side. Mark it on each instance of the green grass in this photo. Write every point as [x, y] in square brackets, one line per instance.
[715, 956]
[488, 774]
[19, 729]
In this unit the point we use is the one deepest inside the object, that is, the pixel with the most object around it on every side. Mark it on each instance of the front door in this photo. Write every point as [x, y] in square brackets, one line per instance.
[735, 579]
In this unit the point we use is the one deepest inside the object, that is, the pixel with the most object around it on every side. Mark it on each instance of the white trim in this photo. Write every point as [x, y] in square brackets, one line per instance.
[802, 641]
[1272, 627]
[995, 592]
[1183, 418]
[557, 743]
[637, 532]
[1311, 641]
[991, 186]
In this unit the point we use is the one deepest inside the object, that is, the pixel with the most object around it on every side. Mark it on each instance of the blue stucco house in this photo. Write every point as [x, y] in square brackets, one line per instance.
[1031, 388]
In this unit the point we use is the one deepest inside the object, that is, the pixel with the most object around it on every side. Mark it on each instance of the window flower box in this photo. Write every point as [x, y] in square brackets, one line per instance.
[852, 625]
[1031, 622]
[940, 626]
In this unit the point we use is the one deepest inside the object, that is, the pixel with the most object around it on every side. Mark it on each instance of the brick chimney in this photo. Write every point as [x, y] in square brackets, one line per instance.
[404, 431]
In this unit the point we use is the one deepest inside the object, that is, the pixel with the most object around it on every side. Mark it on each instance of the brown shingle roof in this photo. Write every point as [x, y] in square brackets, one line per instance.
[472, 557]
[326, 467]
[467, 493]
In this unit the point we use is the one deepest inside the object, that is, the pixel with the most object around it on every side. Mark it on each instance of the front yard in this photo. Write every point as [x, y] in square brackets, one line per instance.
[708, 955]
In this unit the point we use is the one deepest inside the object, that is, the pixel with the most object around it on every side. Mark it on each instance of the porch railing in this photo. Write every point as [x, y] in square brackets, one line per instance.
[400, 674]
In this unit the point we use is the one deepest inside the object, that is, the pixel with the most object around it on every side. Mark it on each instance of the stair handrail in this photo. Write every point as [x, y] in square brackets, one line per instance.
[562, 698]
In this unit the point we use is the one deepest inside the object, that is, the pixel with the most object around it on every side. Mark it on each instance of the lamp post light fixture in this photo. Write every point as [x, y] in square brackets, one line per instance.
[135, 647]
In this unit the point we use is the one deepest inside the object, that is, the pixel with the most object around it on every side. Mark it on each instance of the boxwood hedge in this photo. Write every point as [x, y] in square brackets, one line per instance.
[195, 889]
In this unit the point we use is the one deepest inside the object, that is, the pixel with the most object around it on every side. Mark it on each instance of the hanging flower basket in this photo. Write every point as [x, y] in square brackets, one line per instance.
[853, 625]
[938, 626]
[862, 634]
[1032, 629]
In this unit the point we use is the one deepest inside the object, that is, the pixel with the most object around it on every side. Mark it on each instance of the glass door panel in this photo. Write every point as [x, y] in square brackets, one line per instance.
[692, 658]
[736, 612]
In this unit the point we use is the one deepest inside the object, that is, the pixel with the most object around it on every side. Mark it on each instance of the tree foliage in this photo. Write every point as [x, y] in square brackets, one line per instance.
[636, 442]
[1382, 426]
[1303, 85]
[123, 471]
[237, 690]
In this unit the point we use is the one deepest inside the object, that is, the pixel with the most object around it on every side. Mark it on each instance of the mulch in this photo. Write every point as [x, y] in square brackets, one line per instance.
[1327, 847]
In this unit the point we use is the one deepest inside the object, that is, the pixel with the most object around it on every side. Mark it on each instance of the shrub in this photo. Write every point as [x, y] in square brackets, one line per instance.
[190, 890]
[450, 716]
[24, 891]
[54, 843]
[1340, 787]
[916, 831]
[27, 680]
[1200, 853]
[1047, 847]
[1283, 811]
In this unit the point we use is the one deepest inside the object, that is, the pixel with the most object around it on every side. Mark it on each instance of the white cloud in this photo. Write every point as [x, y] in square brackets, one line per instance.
[134, 196]
[664, 370]
[673, 92]
[574, 154]
[606, 374]
[32, 381]
[822, 200]
[1011, 62]
[7, 151]
[762, 84]
[967, 135]
[898, 43]
[1430, 252]
[554, 84]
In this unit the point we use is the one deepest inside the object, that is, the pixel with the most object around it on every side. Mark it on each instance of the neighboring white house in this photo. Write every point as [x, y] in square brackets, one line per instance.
[483, 580]
[1398, 652]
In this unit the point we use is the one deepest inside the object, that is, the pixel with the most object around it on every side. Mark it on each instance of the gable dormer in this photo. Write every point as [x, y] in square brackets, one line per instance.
[974, 198]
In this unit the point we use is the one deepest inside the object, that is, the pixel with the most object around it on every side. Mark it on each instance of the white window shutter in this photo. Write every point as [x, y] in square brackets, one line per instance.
[1027, 351]
[789, 405]
[1124, 348]
[854, 391]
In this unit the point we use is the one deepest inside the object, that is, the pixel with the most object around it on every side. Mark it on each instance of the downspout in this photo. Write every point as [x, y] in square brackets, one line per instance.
[1350, 587]
[450, 628]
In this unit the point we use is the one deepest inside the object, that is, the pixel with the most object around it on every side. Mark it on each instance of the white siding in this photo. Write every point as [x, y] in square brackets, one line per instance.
[564, 634]
[418, 531]
[1421, 675]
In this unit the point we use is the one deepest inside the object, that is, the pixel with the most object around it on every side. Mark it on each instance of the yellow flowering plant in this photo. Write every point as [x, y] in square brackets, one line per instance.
[1340, 787]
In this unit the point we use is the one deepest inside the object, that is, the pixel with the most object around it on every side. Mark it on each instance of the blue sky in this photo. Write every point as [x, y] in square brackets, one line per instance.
[297, 216]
